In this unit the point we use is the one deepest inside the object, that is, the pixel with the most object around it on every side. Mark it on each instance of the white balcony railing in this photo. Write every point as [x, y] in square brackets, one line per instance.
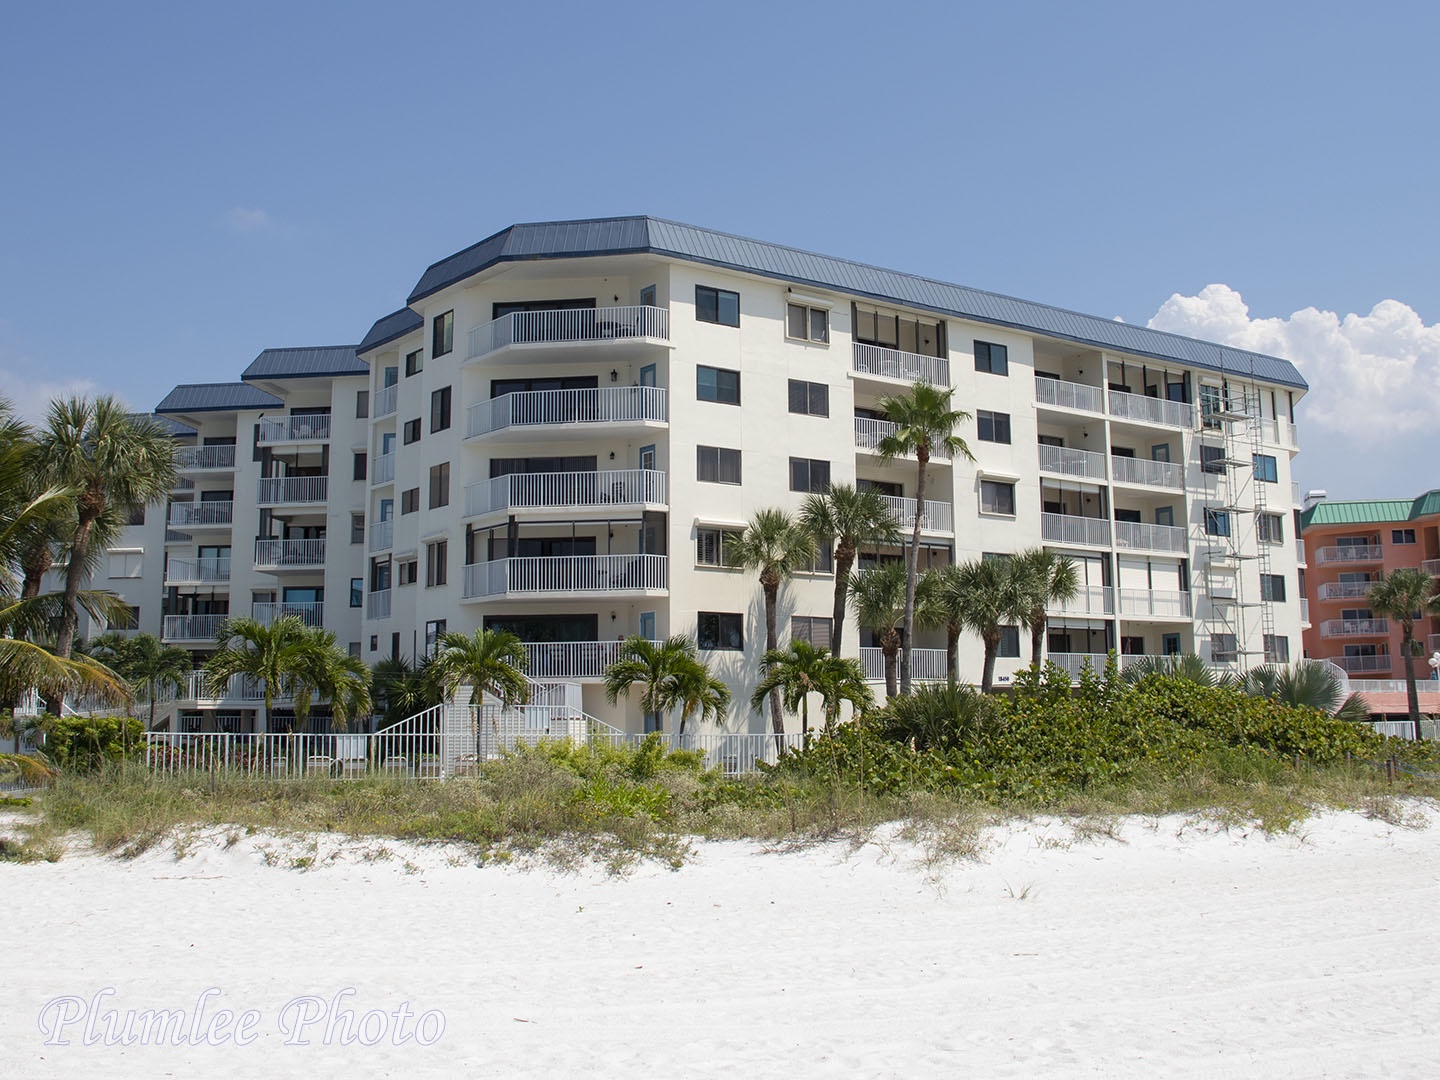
[926, 665]
[194, 515]
[310, 612]
[869, 432]
[1161, 474]
[192, 627]
[196, 571]
[309, 427]
[1294, 492]
[1431, 567]
[1357, 553]
[1151, 410]
[292, 489]
[377, 604]
[382, 535]
[1300, 552]
[1346, 590]
[1278, 433]
[1069, 395]
[570, 326]
[199, 458]
[1305, 611]
[237, 688]
[601, 405]
[383, 470]
[570, 659]
[895, 364]
[1355, 628]
[1090, 600]
[1074, 663]
[387, 400]
[1073, 529]
[939, 517]
[1070, 462]
[287, 554]
[549, 574]
[1150, 603]
[1359, 665]
[1134, 534]
[522, 491]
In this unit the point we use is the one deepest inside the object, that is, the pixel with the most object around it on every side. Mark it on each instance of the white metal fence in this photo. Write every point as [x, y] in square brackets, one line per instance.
[310, 612]
[194, 514]
[896, 364]
[1088, 600]
[304, 428]
[1069, 395]
[377, 604]
[1151, 410]
[599, 405]
[570, 659]
[938, 516]
[1133, 534]
[1068, 461]
[1355, 628]
[570, 325]
[926, 665]
[387, 400]
[196, 571]
[383, 470]
[1157, 604]
[382, 535]
[206, 457]
[1144, 471]
[193, 627]
[1072, 529]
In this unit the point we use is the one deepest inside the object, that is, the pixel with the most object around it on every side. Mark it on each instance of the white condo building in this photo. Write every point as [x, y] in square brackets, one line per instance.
[557, 430]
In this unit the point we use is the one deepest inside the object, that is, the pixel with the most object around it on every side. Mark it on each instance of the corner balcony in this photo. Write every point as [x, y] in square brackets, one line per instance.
[192, 627]
[1138, 408]
[579, 414]
[239, 688]
[1151, 604]
[1346, 590]
[292, 490]
[1355, 628]
[1362, 665]
[309, 612]
[611, 489]
[937, 518]
[570, 659]
[382, 470]
[1170, 539]
[295, 429]
[1279, 433]
[202, 515]
[906, 367]
[1143, 472]
[387, 401]
[1349, 555]
[197, 571]
[205, 458]
[572, 334]
[1069, 395]
[572, 575]
[1072, 529]
[275, 555]
[1089, 600]
[868, 434]
[1065, 461]
[382, 535]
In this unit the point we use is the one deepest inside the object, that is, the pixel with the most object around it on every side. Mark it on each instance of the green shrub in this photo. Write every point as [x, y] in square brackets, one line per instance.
[85, 743]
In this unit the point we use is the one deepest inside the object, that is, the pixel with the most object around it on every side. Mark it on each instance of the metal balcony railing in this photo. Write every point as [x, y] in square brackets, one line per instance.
[383, 470]
[1074, 663]
[192, 627]
[938, 516]
[387, 400]
[926, 665]
[1134, 534]
[289, 554]
[601, 405]
[307, 427]
[1345, 590]
[1070, 462]
[1090, 600]
[377, 604]
[274, 490]
[194, 515]
[197, 458]
[869, 432]
[896, 364]
[196, 571]
[1431, 567]
[1069, 395]
[310, 612]
[382, 535]
[1359, 665]
[1160, 474]
[1357, 553]
[547, 574]
[522, 491]
[570, 659]
[571, 326]
[1151, 410]
[1156, 604]
[1073, 529]
[1355, 628]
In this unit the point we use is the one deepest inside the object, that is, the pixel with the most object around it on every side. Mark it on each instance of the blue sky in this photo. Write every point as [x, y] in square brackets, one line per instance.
[187, 184]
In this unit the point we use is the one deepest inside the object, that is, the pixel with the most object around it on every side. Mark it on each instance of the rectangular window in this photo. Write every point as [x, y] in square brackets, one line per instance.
[809, 398]
[354, 648]
[136, 516]
[440, 485]
[717, 384]
[1272, 587]
[994, 359]
[408, 571]
[1402, 536]
[362, 404]
[1217, 523]
[1224, 648]
[710, 545]
[1270, 528]
[1212, 460]
[1009, 642]
[129, 620]
[824, 560]
[807, 474]
[126, 563]
[414, 363]
[993, 426]
[357, 528]
[721, 630]
[807, 323]
[439, 409]
[434, 631]
[1277, 649]
[357, 591]
[412, 431]
[997, 497]
[717, 306]
[717, 465]
[811, 628]
[358, 465]
[436, 556]
[410, 500]
[442, 337]
[1265, 468]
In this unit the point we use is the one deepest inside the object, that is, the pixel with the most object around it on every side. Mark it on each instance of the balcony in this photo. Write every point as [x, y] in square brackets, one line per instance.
[1135, 535]
[1064, 461]
[1074, 663]
[1090, 600]
[383, 470]
[1147, 473]
[559, 334]
[1151, 410]
[197, 571]
[205, 458]
[1355, 628]
[1153, 604]
[569, 413]
[377, 604]
[289, 554]
[1346, 590]
[604, 490]
[938, 516]
[1300, 552]
[1278, 433]
[307, 428]
[238, 688]
[1357, 553]
[292, 490]
[1362, 665]
[1072, 529]
[1431, 567]
[309, 612]
[1069, 395]
[907, 367]
[387, 400]
[1304, 611]
[1432, 643]
[192, 627]
[570, 659]
[926, 665]
[550, 575]
[382, 535]
[868, 434]
[202, 515]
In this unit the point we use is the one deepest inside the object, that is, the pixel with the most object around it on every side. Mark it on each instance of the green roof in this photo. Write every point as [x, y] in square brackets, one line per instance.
[1371, 511]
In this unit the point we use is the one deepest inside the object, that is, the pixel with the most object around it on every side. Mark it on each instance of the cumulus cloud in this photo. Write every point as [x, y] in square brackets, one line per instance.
[248, 219]
[31, 396]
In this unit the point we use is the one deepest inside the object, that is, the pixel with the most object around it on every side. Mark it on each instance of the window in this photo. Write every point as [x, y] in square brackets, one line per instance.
[809, 475]
[434, 631]
[824, 560]
[1009, 641]
[358, 465]
[362, 404]
[436, 556]
[870, 326]
[809, 398]
[440, 409]
[807, 323]
[440, 485]
[994, 426]
[997, 497]
[354, 649]
[357, 591]
[136, 515]
[1212, 459]
[717, 306]
[442, 339]
[722, 630]
[1272, 587]
[1212, 405]
[129, 620]
[126, 562]
[814, 629]
[991, 358]
[1277, 649]
[1217, 523]
[710, 545]
[408, 571]
[412, 431]
[717, 384]
[357, 528]
[717, 465]
[1265, 467]
[410, 500]
[1402, 536]
[1223, 647]
[1270, 528]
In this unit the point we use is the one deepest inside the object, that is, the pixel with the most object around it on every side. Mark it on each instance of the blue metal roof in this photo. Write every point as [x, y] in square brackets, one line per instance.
[646, 235]
[171, 426]
[216, 397]
[319, 361]
[395, 325]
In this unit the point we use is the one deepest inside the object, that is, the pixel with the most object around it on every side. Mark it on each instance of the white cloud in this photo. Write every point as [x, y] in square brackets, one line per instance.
[247, 219]
[32, 396]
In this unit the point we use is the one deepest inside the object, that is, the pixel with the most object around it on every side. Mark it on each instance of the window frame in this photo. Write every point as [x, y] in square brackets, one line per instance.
[440, 411]
[1265, 468]
[410, 501]
[1218, 518]
[718, 451]
[810, 311]
[439, 485]
[1402, 537]
[442, 335]
[412, 427]
[715, 293]
[721, 537]
[809, 465]
[809, 390]
[437, 559]
[716, 384]
[996, 422]
[990, 366]
[359, 465]
[722, 619]
[1006, 485]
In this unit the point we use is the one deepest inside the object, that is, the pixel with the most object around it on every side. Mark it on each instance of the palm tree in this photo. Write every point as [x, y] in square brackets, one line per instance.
[699, 693]
[878, 596]
[327, 671]
[145, 662]
[404, 688]
[924, 421]
[1404, 596]
[1047, 579]
[1184, 667]
[794, 673]
[657, 668]
[848, 518]
[985, 595]
[112, 461]
[1308, 685]
[938, 717]
[491, 661]
[842, 679]
[274, 655]
[776, 546]
[935, 607]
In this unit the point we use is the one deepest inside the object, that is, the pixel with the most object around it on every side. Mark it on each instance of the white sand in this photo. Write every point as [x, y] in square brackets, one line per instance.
[1175, 950]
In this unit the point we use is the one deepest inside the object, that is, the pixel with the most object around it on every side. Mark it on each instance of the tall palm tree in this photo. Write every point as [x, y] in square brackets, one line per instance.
[800, 670]
[936, 607]
[986, 594]
[404, 688]
[1047, 579]
[655, 667]
[274, 655]
[1403, 596]
[842, 680]
[327, 671]
[776, 546]
[491, 661]
[878, 596]
[848, 518]
[145, 662]
[112, 461]
[924, 422]
[699, 693]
